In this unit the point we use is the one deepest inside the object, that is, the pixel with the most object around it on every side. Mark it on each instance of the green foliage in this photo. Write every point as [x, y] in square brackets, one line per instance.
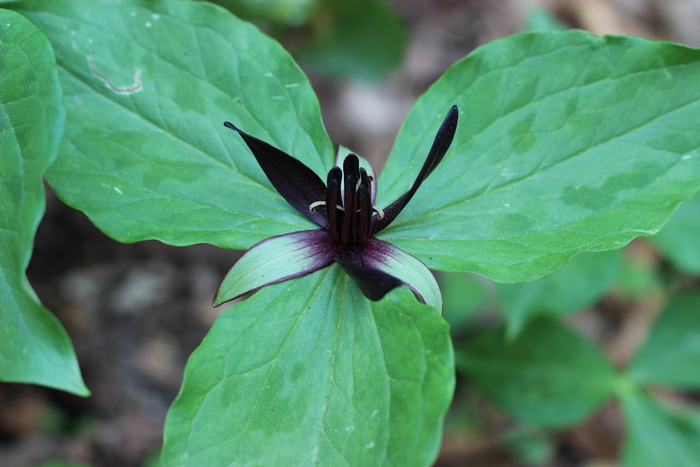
[548, 376]
[657, 435]
[568, 143]
[678, 240]
[286, 12]
[174, 173]
[672, 349]
[34, 348]
[539, 19]
[463, 296]
[581, 282]
[327, 378]
[557, 153]
[355, 38]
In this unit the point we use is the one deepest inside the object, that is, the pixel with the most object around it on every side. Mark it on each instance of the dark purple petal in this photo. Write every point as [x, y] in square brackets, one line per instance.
[373, 283]
[297, 183]
[443, 140]
[277, 259]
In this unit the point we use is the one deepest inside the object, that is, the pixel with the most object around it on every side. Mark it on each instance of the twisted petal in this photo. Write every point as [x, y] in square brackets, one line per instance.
[277, 259]
[297, 183]
[409, 270]
[443, 139]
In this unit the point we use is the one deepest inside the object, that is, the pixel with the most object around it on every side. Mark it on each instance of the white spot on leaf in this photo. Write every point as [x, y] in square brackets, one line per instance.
[269, 75]
[148, 24]
[118, 190]
[155, 16]
[506, 173]
[108, 82]
[293, 85]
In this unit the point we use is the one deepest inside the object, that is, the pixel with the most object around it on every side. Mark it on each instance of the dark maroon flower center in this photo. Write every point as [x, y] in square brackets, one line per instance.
[348, 203]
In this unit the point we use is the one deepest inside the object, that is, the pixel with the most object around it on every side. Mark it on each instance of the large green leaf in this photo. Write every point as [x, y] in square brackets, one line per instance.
[658, 436]
[310, 372]
[671, 353]
[548, 376]
[680, 238]
[578, 284]
[157, 163]
[566, 142]
[34, 348]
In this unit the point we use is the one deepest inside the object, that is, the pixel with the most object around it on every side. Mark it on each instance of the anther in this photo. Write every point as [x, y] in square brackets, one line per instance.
[379, 212]
[313, 206]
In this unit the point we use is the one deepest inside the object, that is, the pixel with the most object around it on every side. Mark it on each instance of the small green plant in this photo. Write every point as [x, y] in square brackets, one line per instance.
[567, 143]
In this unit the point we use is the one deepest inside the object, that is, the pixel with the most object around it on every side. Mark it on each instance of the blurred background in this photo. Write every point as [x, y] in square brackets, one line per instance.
[136, 312]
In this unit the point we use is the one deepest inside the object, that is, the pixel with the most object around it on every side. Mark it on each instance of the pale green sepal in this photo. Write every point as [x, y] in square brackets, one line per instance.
[277, 259]
[387, 258]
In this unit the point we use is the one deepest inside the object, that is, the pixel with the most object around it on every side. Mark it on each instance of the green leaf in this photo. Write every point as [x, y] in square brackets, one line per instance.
[671, 353]
[463, 296]
[158, 163]
[34, 347]
[286, 12]
[678, 240]
[580, 283]
[549, 376]
[659, 436]
[289, 377]
[567, 142]
[355, 38]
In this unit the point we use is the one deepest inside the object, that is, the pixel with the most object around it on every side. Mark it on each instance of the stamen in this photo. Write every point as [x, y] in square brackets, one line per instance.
[378, 211]
[313, 206]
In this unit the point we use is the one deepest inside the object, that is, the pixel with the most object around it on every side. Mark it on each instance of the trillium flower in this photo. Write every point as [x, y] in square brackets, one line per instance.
[344, 209]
